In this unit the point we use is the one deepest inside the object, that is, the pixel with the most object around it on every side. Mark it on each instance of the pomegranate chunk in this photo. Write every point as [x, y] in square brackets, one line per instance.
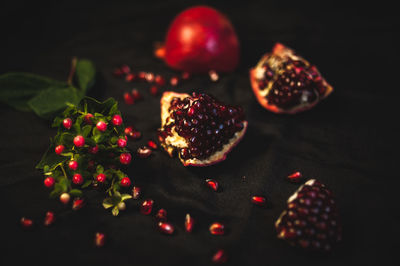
[217, 229]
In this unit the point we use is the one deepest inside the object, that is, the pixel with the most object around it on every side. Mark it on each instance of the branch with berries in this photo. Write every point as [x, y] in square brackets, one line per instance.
[89, 150]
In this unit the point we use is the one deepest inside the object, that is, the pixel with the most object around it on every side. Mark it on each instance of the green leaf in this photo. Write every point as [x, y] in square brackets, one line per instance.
[77, 125]
[86, 184]
[76, 193]
[53, 100]
[85, 73]
[107, 203]
[86, 130]
[100, 169]
[115, 211]
[16, 89]
[125, 197]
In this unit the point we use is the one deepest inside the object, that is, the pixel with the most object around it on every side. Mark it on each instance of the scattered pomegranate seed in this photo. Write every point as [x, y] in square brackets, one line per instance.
[159, 51]
[295, 177]
[219, 257]
[136, 192]
[128, 98]
[135, 135]
[161, 215]
[125, 69]
[77, 204]
[64, 198]
[166, 228]
[160, 81]
[99, 239]
[154, 90]
[117, 72]
[26, 223]
[259, 200]
[152, 144]
[144, 152]
[217, 229]
[185, 75]
[213, 184]
[128, 130]
[130, 77]
[147, 206]
[136, 95]
[213, 75]
[189, 221]
[149, 77]
[174, 81]
[142, 76]
[49, 218]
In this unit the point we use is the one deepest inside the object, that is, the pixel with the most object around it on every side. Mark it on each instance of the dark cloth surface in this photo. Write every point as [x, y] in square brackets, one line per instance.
[345, 141]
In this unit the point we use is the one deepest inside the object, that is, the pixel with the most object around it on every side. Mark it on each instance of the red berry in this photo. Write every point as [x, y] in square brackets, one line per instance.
[125, 182]
[94, 150]
[219, 257]
[77, 179]
[26, 223]
[73, 165]
[213, 184]
[136, 192]
[64, 198]
[128, 98]
[217, 229]
[101, 178]
[160, 81]
[99, 239]
[125, 158]
[153, 90]
[147, 206]
[78, 204]
[166, 228]
[49, 181]
[174, 81]
[117, 120]
[79, 141]
[49, 218]
[101, 126]
[121, 143]
[88, 118]
[189, 223]
[59, 149]
[67, 123]
[259, 200]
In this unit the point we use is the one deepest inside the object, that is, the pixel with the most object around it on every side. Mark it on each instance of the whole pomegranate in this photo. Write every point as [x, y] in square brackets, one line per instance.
[199, 128]
[201, 39]
[284, 82]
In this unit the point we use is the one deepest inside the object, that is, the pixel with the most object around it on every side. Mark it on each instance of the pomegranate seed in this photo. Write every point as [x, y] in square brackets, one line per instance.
[185, 75]
[152, 144]
[213, 75]
[26, 223]
[154, 90]
[136, 95]
[135, 135]
[147, 206]
[78, 204]
[259, 200]
[295, 177]
[212, 184]
[166, 228]
[90, 164]
[149, 77]
[128, 130]
[136, 192]
[142, 76]
[160, 81]
[128, 98]
[125, 69]
[174, 81]
[219, 257]
[189, 221]
[161, 215]
[99, 239]
[144, 152]
[49, 181]
[130, 77]
[117, 73]
[217, 229]
[49, 218]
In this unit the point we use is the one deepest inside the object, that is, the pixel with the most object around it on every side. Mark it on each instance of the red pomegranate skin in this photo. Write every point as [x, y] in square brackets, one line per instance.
[200, 39]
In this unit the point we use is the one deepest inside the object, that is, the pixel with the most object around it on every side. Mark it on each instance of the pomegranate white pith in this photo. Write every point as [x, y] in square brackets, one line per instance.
[175, 141]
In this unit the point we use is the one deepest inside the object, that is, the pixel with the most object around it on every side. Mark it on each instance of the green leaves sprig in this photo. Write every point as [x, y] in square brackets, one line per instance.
[105, 160]
[46, 96]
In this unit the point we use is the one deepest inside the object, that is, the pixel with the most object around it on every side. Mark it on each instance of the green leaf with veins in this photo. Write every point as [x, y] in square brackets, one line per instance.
[85, 74]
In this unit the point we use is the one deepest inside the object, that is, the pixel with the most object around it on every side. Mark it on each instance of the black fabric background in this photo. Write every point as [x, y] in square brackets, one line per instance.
[348, 141]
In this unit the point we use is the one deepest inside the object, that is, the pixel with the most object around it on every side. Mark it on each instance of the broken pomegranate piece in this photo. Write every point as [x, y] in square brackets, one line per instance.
[201, 129]
[284, 82]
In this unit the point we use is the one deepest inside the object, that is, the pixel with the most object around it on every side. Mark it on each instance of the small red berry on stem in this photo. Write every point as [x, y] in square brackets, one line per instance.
[79, 141]
[128, 98]
[59, 149]
[49, 218]
[94, 150]
[26, 223]
[121, 143]
[73, 165]
[64, 198]
[88, 118]
[147, 206]
[101, 178]
[49, 181]
[101, 126]
[77, 179]
[117, 120]
[125, 182]
[67, 123]
[125, 158]
[99, 239]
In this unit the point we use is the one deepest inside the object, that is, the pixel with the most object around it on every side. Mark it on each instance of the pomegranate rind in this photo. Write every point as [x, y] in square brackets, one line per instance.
[282, 51]
[173, 142]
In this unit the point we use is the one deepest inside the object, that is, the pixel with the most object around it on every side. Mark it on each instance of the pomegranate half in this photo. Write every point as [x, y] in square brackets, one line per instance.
[200, 39]
[284, 82]
[199, 128]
